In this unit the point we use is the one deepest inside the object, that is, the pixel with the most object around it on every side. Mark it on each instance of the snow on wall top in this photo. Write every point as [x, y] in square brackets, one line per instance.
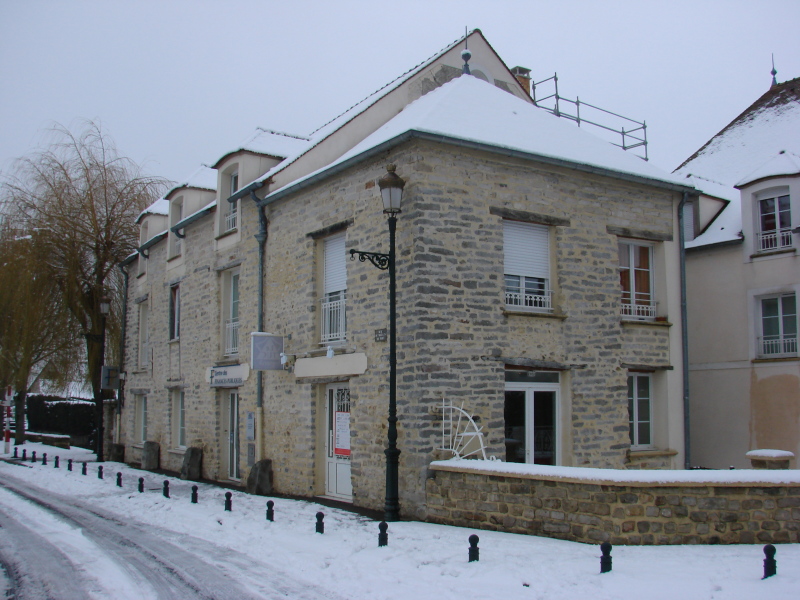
[622, 477]
[159, 207]
[769, 125]
[470, 109]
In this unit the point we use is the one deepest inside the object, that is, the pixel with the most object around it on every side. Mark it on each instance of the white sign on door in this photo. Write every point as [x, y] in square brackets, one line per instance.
[341, 446]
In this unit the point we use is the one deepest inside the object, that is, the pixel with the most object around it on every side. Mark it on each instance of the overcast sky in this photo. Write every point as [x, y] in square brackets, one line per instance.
[177, 83]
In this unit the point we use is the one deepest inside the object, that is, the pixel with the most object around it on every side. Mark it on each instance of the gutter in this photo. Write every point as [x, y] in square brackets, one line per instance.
[261, 238]
[123, 333]
[443, 139]
[150, 243]
[191, 219]
[687, 463]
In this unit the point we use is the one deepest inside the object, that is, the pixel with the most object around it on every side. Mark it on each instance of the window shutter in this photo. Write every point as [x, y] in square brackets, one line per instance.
[688, 222]
[335, 264]
[527, 249]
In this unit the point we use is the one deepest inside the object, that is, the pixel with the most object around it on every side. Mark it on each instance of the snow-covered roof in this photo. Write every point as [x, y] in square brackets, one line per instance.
[785, 163]
[159, 207]
[471, 110]
[204, 178]
[272, 143]
[769, 125]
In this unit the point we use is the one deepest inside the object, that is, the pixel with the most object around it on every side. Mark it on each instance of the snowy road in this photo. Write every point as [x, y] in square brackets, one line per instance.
[57, 547]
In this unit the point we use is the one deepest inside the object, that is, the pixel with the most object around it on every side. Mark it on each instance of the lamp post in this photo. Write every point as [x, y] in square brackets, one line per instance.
[391, 186]
[105, 308]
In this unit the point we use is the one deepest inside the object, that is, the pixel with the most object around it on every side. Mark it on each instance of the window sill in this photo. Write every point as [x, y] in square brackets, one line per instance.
[774, 252]
[228, 361]
[180, 450]
[627, 322]
[140, 371]
[533, 313]
[174, 340]
[138, 445]
[171, 258]
[138, 275]
[228, 233]
[776, 359]
[650, 452]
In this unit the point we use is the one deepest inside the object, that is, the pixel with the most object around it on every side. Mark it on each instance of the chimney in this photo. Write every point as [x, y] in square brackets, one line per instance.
[523, 75]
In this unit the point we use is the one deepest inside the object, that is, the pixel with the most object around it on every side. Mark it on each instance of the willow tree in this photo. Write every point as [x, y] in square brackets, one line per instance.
[82, 199]
[37, 333]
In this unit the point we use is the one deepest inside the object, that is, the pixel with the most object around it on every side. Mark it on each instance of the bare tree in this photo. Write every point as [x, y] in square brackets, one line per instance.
[36, 330]
[83, 199]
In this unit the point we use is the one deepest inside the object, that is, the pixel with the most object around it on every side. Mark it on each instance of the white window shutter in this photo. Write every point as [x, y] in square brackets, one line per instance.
[688, 222]
[527, 249]
[335, 264]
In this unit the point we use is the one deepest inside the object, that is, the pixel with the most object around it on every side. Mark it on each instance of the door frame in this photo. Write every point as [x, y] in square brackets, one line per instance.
[530, 388]
[330, 460]
[232, 442]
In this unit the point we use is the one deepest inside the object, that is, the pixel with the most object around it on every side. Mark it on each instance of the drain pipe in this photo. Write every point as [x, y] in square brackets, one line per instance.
[261, 238]
[123, 331]
[687, 463]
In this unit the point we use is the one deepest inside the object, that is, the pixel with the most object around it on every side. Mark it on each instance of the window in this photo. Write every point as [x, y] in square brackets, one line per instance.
[778, 326]
[140, 418]
[174, 312]
[530, 416]
[639, 410]
[636, 279]
[143, 342]
[178, 419]
[334, 325]
[176, 215]
[232, 211]
[526, 266]
[230, 310]
[142, 258]
[775, 224]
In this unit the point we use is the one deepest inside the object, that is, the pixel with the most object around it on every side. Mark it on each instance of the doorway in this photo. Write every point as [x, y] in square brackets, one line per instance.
[531, 422]
[338, 482]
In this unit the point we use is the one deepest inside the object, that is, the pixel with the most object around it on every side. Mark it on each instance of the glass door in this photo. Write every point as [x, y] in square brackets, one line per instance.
[531, 423]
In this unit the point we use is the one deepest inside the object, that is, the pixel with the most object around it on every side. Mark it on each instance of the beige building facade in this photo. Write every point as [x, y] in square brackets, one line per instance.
[538, 291]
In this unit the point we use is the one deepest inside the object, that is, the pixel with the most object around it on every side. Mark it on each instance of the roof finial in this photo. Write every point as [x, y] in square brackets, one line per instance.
[466, 55]
[774, 72]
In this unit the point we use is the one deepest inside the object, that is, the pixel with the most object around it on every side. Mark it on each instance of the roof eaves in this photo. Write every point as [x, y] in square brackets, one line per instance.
[153, 241]
[194, 217]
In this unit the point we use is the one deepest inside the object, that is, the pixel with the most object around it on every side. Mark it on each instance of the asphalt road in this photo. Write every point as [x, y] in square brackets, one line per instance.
[56, 547]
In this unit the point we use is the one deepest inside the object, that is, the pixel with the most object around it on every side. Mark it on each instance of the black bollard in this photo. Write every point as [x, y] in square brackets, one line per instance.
[83, 469]
[605, 559]
[15, 452]
[44, 459]
[228, 503]
[69, 464]
[24, 454]
[55, 462]
[383, 536]
[770, 564]
[33, 456]
[141, 484]
[166, 489]
[194, 494]
[100, 472]
[119, 479]
[474, 551]
[270, 510]
[320, 524]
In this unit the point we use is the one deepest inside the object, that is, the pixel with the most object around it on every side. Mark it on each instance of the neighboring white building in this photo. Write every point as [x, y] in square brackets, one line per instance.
[743, 280]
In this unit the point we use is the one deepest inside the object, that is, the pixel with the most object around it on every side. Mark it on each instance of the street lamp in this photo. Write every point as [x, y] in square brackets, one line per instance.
[391, 186]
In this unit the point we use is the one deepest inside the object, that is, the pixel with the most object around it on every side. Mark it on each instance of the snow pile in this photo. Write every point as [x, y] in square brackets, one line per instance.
[421, 560]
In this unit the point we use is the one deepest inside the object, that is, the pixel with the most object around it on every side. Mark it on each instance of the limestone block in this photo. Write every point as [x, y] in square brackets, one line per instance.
[150, 456]
[192, 461]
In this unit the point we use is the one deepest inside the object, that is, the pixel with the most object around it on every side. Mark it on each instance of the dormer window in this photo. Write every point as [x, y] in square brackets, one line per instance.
[176, 215]
[232, 212]
[775, 224]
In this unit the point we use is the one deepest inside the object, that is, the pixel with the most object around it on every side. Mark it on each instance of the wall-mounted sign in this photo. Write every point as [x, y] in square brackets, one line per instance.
[251, 426]
[381, 335]
[231, 376]
[109, 378]
[265, 351]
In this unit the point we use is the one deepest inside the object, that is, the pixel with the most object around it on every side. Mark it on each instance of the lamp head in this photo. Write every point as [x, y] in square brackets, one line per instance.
[391, 186]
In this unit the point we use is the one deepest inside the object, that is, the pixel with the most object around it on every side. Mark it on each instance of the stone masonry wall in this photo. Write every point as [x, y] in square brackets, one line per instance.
[592, 512]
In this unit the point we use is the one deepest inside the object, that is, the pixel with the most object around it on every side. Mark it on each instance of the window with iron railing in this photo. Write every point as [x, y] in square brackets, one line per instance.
[526, 266]
[778, 327]
[334, 323]
[775, 224]
[529, 293]
[636, 280]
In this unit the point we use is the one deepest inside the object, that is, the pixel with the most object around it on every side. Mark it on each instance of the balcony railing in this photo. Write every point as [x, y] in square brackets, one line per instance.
[641, 312]
[334, 325]
[231, 337]
[773, 346]
[775, 240]
[230, 220]
[534, 302]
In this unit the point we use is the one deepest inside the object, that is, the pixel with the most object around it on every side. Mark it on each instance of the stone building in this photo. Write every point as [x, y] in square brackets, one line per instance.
[743, 278]
[538, 289]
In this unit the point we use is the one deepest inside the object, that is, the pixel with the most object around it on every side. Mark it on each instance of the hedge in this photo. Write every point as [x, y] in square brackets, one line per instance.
[53, 414]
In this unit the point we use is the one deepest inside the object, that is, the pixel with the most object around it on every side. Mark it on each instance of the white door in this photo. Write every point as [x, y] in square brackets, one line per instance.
[233, 436]
[337, 452]
[531, 423]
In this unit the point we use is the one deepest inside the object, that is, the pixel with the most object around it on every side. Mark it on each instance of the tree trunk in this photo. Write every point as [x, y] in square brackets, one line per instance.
[19, 416]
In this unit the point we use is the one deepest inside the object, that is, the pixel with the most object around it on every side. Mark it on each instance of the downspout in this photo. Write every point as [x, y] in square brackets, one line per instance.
[687, 463]
[261, 238]
[123, 332]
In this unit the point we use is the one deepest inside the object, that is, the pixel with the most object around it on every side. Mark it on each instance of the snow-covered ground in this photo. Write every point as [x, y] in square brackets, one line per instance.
[421, 561]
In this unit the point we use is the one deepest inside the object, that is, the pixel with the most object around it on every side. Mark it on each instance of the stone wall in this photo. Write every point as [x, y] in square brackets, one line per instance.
[753, 510]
